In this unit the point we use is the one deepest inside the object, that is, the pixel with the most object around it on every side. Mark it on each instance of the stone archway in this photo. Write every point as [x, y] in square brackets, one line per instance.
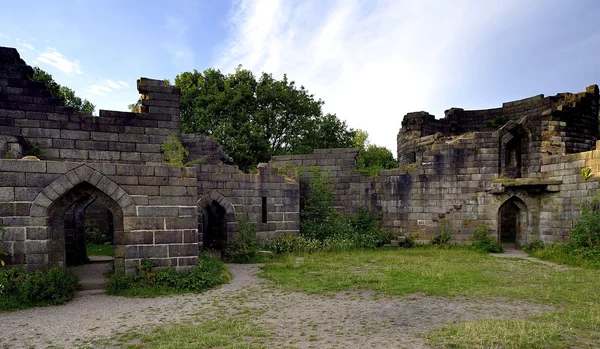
[216, 220]
[72, 191]
[512, 222]
[67, 241]
[514, 139]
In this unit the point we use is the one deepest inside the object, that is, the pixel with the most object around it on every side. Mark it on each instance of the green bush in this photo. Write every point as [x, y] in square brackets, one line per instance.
[243, 247]
[586, 232]
[483, 242]
[534, 246]
[21, 289]
[443, 238]
[292, 243]
[94, 235]
[148, 282]
[323, 228]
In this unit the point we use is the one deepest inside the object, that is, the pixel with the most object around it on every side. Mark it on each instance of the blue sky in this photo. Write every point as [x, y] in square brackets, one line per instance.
[370, 61]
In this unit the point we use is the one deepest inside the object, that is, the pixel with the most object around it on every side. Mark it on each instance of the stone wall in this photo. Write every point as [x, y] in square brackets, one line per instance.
[154, 209]
[114, 161]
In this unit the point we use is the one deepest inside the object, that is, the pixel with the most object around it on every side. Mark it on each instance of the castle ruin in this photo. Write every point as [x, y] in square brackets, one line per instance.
[520, 169]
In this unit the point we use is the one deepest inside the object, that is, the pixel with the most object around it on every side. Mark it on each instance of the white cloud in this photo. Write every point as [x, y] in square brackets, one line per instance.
[24, 44]
[371, 61]
[106, 86]
[4, 36]
[116, 84]
[100, 90]
[55, 59]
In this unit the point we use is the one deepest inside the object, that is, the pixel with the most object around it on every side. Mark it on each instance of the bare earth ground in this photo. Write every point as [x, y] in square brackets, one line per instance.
[354, 319]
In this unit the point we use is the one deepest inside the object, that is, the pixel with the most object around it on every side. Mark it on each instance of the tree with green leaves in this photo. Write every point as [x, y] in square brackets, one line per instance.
[257, 118]
[371, 157]
[66, 95]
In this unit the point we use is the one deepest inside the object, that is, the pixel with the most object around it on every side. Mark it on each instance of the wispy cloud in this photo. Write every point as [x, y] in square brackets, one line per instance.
[106, 86]
[116, 84]
[371, 61]
[24, 44]
[55, 59]
[4, 36]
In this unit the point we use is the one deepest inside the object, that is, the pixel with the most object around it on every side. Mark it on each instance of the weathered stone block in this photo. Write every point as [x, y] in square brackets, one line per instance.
[177, 250]
[158, 211]
[168, 236]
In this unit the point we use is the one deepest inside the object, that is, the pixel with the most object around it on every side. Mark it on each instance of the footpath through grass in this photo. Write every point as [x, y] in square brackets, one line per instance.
[460, 272]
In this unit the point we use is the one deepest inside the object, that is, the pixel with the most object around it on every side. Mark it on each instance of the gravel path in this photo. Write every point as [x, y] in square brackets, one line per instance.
[339, 320]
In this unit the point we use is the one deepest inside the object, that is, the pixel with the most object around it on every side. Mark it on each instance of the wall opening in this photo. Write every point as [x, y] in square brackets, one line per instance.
[70, 219]
[514, 153]
[512, 219]
[214, 227]
[264, 209]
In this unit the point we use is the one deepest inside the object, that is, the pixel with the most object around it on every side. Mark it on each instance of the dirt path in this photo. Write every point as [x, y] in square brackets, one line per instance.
[514, 253]
[340, 320]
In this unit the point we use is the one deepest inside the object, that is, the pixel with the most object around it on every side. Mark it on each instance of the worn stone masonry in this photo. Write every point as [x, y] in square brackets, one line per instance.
[109, 171]
[516, 169]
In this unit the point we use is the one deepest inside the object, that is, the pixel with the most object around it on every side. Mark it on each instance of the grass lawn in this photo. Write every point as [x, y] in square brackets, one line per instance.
[574, 293]
[100, 250]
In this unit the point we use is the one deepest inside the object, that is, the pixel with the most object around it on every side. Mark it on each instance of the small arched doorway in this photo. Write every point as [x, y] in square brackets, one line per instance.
[214, 226]
[512, 219]
[67, 224]
[216, 220]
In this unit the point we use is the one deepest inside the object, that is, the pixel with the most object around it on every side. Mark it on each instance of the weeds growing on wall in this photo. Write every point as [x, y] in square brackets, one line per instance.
[483, 242]
[175, 153]
[149, 282]
[21, 289]
[444, 237]
[243, 247]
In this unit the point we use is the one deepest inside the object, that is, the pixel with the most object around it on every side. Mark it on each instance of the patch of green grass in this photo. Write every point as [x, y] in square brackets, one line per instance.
[230, 333]
[100, 250]
[458, 271]
[564, 253]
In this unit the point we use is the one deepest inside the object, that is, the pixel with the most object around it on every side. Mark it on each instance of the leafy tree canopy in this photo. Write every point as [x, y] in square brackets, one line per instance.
[63, 93]
[371, 157]
[256, 118]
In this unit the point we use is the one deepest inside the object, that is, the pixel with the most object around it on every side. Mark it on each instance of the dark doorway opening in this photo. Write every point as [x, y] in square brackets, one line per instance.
[215, 226]
[76, 218]
[512, 219]
[509, 224]
[89, 231]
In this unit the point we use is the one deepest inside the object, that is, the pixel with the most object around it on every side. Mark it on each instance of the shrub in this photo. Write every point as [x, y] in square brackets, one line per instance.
[94, 235]
[243, 247]
[534, 246]
[586, 232]
[37, 288]
[444, 236]
[318, 217]
[148, 282]
[483, 242]
[292, 243]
